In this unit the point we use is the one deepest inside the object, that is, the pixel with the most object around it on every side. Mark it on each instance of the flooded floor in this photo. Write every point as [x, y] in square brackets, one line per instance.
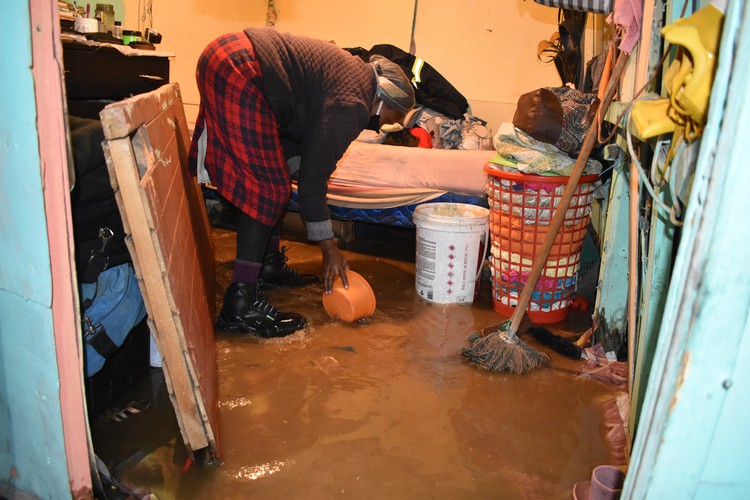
[382, 409]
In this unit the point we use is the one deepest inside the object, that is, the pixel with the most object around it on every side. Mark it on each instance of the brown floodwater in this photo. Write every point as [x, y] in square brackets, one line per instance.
[386, 408]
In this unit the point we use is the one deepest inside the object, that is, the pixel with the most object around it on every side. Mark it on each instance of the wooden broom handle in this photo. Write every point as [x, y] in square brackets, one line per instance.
[572, 184]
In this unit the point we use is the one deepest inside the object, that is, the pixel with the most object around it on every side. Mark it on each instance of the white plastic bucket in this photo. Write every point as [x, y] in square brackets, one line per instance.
[451, 241]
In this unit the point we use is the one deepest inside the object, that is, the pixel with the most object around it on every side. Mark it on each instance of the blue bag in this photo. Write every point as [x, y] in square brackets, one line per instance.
[111, 307]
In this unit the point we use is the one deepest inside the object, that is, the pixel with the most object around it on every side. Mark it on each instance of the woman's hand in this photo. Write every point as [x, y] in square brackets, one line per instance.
[334, 263]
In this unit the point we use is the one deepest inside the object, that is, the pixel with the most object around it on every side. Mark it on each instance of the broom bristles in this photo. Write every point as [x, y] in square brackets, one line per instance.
[499, 352]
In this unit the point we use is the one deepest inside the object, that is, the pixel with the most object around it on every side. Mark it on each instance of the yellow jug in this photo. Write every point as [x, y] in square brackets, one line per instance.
[688, 79]
[690, 76]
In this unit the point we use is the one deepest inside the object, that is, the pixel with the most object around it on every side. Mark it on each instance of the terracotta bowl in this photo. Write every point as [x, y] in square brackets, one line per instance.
[350, 305]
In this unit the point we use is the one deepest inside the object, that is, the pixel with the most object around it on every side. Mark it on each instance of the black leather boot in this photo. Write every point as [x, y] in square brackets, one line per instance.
[275, 272]
[246, 310]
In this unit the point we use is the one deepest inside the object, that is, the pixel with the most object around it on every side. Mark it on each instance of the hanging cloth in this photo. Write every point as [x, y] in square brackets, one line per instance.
[627, 17]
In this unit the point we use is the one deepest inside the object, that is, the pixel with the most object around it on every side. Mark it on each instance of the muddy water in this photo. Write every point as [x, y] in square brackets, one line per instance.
[387, 408]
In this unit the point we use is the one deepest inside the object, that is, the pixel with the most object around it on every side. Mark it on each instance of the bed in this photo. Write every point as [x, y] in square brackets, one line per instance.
[383, 184]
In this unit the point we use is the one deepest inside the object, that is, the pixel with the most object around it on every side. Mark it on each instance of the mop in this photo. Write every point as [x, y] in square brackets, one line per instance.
[502, 349]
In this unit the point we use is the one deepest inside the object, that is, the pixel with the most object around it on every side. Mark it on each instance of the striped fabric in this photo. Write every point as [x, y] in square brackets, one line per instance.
[595, 6]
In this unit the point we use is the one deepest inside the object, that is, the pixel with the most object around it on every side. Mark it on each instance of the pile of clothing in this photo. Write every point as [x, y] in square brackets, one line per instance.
[441, 119]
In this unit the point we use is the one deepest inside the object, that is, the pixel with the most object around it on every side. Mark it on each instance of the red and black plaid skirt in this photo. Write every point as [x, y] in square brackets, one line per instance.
[244, 157]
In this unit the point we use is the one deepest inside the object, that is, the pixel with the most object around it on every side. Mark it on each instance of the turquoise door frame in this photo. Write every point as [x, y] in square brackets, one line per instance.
[693, 437]
[44, 449]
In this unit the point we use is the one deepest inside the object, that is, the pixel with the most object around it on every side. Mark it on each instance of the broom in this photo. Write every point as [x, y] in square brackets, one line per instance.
[502, 350]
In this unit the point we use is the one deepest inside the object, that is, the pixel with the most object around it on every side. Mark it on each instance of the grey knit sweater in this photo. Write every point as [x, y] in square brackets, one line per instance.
[321, 96]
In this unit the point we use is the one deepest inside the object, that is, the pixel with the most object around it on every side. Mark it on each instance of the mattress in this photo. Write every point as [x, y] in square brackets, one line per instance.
[372, 170]
[383, 184]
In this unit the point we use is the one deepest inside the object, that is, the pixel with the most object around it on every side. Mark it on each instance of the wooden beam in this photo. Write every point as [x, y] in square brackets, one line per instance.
[610, 313]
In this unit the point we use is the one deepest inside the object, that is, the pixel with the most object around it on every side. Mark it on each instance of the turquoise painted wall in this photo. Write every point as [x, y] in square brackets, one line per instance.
[693, 436]
[32, 454]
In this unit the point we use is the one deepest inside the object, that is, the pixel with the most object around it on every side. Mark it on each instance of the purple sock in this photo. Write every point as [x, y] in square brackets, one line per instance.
[245, 271]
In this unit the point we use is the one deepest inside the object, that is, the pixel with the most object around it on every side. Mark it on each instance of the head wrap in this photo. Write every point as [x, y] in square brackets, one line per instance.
[394, 87]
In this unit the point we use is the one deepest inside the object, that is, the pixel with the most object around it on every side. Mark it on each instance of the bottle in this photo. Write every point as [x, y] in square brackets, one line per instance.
[105, 13]
[117, 30]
